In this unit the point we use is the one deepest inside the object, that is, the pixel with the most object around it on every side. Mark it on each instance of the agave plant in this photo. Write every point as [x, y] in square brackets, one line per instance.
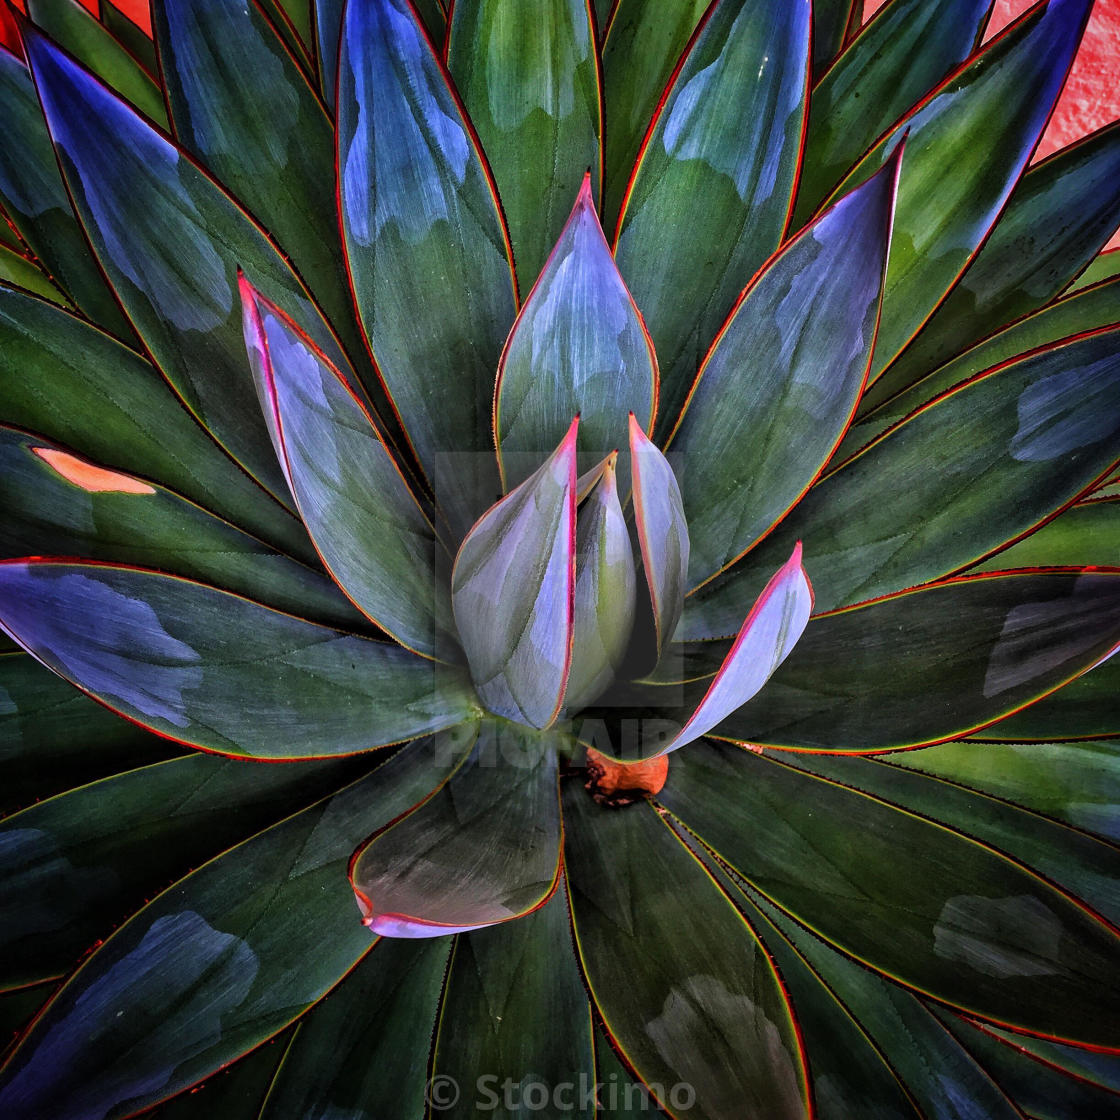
[337, 433]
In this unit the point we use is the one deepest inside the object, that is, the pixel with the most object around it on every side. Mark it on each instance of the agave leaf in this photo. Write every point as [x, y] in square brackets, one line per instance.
[298, 14]
[426, 247]
[483, 849]
[937, 1074]
[75, 29]
[53, 738]
[979, 648]
[1082, 866]
[57, 504]
[767, 637]
[905, 50]
[578, 346]
[793, 356]
[374, 538]
[34, 198]
[515, 1002]
[605, 592]
[224, 959]
[279, 14]
[345, 1059]
[724, 148]
[969, 924]
[222, 63]
[678, 976]
[129, 35]
[1078, 314]
[1104, 266]
[1078, 783]
[541, 131]
[108, 404]
[156, 648]
[1056, 221]
[328, 28]
[1036, 1087]
[170, 241]
[17, 270]
[966, 475]
[850, 1073]
[1084, 536]
[830, 27]
[228, 1092]
[662, 532]
[1084, 709]
[512, 591]
[641, 44]
[77, 864]
[998, 104]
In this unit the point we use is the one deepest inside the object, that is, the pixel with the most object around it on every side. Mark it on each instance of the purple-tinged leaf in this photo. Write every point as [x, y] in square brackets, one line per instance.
[426, 247]
[365, 522]
[512, 592]
[606, 583]
[662, 532]
[484, 848]
[219, 672]
[793, 358]
[170, 240]
[767, 637]
[578, 346]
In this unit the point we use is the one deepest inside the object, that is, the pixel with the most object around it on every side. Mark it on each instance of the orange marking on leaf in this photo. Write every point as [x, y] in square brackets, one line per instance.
[92, 479]
[620, 783]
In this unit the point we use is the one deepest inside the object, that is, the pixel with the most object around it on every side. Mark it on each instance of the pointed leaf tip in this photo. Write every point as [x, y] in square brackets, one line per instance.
[662, 532]
[512, 592]
[767, 637]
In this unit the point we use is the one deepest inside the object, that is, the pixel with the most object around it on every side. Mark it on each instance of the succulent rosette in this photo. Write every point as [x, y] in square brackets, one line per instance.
[647, 471]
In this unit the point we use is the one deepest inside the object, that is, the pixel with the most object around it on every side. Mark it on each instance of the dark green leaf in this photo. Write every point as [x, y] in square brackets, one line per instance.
[912, 897]
[426, 247]
[219, 962]
[830, 26]
[515, 1012]
[983, 122]
[239, 102]
[1084, 709]
[57, 504]
[130, 36]
[1057, 219]
[1104, 266]
[935, 663]
[512, 590]
[74, 28]
[171, 241]
[679, 978]
[75, 865]
[1079, 313]
[108, 404]
[211, 669]
[22, 272]
[578, 347]
[723, 148]
[34, 197]
[1041, 1091]
[794, 357]
[53, 738]
[641, 45]
[530, 84]
[364, 1050]
[961, 478]
[373, 536]
[943, 1081]
[1083, 536]
[328, 26]
[1078, 783]
[483, 849]
[906, 49]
